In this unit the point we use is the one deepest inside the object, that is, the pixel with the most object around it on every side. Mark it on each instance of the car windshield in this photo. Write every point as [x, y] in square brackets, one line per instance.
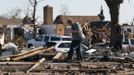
[55, 38]
[39, 38]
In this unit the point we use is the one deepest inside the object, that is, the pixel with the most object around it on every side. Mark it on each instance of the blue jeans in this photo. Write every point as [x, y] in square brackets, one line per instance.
[75, 45]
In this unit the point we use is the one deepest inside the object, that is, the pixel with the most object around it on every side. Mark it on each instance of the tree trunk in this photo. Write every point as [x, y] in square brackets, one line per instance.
[33, 16]
[114, 6]
[114, 13]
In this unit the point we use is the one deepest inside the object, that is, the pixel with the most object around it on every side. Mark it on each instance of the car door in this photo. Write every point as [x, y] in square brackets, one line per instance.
[63, 46]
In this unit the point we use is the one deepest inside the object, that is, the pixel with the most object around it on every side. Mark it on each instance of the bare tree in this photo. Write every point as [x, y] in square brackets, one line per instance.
[64, 10]
[16, 13]
[114, 6]
[13, 13]
[34, 4]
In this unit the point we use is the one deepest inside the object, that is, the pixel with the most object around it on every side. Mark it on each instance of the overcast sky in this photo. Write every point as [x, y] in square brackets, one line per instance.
[75, 7]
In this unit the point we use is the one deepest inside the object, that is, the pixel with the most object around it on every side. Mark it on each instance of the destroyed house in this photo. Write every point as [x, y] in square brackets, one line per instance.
[61, 19]
[7, 21]
[100, 24]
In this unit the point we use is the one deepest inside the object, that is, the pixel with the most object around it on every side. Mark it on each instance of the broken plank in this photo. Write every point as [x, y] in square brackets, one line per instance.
[35, 49]
[30, 54]
[36, 65]
[58, 55]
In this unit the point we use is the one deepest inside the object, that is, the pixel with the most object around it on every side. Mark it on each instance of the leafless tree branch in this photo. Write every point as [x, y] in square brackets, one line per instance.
[32, 3]
[40, 1]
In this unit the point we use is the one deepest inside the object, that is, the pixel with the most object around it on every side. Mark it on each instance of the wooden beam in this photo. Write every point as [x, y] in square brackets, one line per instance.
[36, 65]
[57, 56]
[30, 53]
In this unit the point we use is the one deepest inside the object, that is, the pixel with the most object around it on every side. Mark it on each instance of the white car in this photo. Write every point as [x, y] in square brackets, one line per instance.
[61, 46]
[42, 39]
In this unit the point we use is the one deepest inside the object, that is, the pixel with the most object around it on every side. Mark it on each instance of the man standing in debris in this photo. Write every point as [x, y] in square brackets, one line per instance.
[77, 37]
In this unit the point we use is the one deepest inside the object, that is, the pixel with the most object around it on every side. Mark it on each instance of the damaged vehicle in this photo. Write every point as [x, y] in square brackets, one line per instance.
[61, 46]
[43, 39]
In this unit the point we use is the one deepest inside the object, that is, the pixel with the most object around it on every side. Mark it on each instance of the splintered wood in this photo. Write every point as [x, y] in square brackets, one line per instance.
[29, 53]
[85, 68]
[36, 65]
[57, 56]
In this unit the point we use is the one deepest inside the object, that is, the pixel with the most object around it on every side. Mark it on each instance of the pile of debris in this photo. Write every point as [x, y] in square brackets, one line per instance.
[49, 62]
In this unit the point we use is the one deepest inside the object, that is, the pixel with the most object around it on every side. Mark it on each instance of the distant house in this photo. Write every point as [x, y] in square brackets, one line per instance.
[61, 19]
[9, 21]
[128, 28]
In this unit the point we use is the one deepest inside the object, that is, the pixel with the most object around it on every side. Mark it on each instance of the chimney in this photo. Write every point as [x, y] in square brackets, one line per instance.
[48, 15]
